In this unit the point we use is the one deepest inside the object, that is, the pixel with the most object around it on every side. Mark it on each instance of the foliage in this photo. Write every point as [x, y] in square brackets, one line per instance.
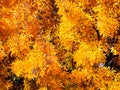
[59, 44]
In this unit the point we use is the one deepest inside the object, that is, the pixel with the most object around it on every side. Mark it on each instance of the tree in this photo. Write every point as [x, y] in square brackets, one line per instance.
[59, 44]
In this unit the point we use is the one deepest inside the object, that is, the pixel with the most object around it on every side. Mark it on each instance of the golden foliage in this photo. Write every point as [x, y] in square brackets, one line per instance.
[106, 24]
[88, 55]
[59, 45]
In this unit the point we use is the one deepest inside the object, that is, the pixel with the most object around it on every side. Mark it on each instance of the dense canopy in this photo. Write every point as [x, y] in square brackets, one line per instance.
[59, 44]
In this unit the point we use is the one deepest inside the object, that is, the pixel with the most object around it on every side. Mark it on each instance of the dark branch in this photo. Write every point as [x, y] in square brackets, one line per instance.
[97, 31]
